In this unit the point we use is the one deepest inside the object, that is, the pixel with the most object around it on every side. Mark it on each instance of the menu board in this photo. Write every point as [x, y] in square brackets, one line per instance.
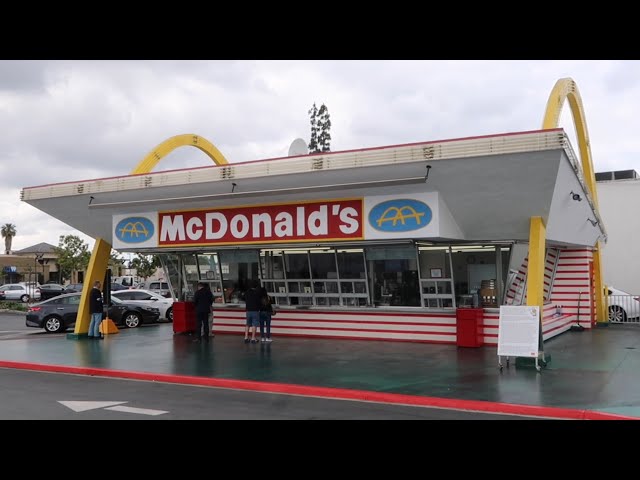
[519, 330]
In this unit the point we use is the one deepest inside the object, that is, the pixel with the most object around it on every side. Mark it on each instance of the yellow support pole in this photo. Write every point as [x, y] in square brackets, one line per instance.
[535, 272]
[602, 309]
[95, 271]
[535, 269]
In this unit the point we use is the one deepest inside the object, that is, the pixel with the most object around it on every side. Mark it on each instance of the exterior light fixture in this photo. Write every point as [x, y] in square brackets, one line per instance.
[426, 177]
[575, 196]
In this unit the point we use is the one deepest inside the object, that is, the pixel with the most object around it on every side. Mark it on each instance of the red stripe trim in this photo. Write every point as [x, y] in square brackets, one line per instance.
[337, 393]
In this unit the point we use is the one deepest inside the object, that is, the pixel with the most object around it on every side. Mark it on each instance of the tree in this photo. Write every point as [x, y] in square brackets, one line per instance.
[320, 140]
[324, 125]
[8, 231]
[73, 256]
[115, 263]
[145, 265]
[313, 140]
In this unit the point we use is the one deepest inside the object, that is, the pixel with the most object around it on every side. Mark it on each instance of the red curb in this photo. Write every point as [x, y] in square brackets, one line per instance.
[328, 392]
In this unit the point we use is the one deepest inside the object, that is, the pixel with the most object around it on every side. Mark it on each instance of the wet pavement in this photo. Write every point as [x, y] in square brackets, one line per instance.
[594, 369]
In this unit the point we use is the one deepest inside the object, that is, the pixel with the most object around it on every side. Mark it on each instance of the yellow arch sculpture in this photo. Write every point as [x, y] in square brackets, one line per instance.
[101, 250]
[566, 88]
[151, 160]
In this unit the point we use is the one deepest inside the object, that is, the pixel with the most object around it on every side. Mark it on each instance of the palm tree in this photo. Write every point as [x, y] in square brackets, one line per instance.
[8, 231]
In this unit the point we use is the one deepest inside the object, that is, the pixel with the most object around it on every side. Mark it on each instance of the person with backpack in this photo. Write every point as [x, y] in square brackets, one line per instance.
[265, 317]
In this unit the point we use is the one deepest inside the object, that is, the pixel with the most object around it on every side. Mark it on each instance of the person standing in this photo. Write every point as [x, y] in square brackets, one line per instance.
[265, 317]
[253, 303]
[95, 308]
[203, 300]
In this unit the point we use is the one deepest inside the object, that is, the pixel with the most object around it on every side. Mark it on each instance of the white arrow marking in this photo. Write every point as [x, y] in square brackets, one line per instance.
[83, 406]
[142, 411]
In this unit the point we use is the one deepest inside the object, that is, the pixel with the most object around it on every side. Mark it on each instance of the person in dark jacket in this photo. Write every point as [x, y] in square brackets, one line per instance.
[254, 304]
[203, 300]
[95, 308]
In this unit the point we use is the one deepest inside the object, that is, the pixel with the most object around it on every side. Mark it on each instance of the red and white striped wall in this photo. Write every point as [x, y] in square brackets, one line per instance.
[572, 286]
[410, 327]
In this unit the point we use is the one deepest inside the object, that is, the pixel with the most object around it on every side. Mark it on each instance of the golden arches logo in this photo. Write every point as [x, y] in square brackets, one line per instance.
[396, 215]
[400, 215]
[136, 229]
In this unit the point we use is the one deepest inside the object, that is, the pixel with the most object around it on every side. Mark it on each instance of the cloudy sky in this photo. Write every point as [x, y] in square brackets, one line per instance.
[78, 120]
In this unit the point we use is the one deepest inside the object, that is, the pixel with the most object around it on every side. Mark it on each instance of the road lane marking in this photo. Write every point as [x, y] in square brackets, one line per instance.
[79, 406]
[141, 411]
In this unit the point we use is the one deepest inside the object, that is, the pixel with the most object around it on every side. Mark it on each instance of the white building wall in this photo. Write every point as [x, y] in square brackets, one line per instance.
[619, 204]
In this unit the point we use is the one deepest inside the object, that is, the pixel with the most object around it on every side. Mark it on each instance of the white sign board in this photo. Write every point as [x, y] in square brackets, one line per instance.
[518, 331]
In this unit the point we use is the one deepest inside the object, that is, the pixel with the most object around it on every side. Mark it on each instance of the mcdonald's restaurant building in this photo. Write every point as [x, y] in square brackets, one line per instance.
[385, 243]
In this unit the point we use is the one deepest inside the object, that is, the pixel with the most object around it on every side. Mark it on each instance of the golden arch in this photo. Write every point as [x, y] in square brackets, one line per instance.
[566, 88]
[151, 160]
[399, 216]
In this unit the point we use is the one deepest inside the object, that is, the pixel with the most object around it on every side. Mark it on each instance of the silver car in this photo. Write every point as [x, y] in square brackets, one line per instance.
[148, 298]
[19, 292]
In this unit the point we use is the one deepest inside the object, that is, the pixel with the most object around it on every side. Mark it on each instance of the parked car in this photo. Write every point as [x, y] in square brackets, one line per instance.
[116, 287]
[50, 290]
[73, 288]
[159, 287]
[127, 280]
[147, 297]
[19, 292]
[59, 313]
[623, 306]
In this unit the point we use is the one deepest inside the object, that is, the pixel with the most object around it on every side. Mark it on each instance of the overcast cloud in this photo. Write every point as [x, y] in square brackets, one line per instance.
[77, 120]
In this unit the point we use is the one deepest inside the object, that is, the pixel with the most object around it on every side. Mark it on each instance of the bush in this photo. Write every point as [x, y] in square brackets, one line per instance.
[6, 305]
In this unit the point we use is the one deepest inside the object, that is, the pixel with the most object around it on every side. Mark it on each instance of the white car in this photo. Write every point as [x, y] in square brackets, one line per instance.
[157, 286]
[19, 291]
[148, 298]
[623, 306]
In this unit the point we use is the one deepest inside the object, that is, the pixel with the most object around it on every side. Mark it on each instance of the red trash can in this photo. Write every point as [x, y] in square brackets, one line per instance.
[184, 317]
[469, 327]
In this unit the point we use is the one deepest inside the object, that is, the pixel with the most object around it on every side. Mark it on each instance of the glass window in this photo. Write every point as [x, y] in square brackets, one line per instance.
[323, 263]
[351, 263]
[239, 268]
[394, 275]
[272, 263]
[208, 266]
[296, 264]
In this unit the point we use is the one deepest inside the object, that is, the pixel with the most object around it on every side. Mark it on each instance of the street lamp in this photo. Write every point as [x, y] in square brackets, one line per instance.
[37, 259]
